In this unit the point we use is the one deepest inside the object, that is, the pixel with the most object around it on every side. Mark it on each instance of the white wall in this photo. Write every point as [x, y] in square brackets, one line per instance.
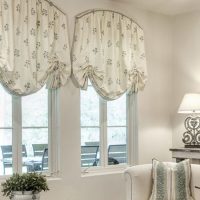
[154, 115]
[186, 73]
[155, 101]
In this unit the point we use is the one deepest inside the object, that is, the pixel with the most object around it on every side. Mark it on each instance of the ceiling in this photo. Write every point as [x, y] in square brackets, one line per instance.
[167, 7]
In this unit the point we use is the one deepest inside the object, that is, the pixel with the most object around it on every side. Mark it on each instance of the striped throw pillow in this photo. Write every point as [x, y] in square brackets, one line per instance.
[171, 181]
[161, 181]
[181, 174]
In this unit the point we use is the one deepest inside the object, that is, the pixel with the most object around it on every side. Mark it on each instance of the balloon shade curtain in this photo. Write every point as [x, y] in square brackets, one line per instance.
[108, 48]
[34, 48]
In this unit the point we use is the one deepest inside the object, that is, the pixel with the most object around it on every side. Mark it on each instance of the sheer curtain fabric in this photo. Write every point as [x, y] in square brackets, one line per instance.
[108, 48]
[34, 48]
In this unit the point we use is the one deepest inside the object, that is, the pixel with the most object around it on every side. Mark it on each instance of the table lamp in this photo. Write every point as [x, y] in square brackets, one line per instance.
[191, 105]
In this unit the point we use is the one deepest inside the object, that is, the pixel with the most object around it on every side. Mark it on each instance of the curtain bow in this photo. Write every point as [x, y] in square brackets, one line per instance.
[138, 80]
[57, 73]
[96, 76]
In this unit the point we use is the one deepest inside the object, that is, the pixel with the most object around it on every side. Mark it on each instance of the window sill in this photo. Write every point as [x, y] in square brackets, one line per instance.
[3, 178]
[100, 171]
[49, 177]
[54, 176]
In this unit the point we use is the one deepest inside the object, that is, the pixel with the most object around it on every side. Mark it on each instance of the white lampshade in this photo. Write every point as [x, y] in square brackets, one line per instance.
[190, 103]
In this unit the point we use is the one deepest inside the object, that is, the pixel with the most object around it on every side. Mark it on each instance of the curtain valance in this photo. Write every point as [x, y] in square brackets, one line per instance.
[34, 48]
[108, 49]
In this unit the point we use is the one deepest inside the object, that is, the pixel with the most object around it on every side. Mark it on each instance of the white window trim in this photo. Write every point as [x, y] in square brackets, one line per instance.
[53, 135]
[17, 134]
[132, 140]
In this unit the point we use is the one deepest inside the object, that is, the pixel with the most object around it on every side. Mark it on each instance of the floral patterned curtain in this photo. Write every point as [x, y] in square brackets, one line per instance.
[108, 49]
[34, 48]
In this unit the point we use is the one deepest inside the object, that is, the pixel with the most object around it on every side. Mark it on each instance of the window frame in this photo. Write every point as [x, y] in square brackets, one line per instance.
[131, 137]
[53, 135]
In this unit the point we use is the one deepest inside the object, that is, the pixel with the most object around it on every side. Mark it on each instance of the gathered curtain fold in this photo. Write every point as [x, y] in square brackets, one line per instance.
[34, 48]
[108, 48]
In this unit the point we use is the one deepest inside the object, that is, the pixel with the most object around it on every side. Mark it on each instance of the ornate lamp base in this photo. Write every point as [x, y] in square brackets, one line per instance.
[191, 138]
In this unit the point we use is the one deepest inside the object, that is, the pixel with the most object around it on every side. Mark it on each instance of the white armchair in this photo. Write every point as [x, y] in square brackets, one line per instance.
[139, 182]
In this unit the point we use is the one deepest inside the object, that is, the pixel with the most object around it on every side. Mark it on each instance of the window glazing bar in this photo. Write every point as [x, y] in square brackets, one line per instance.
[90, 127]
[117, 126]
[35, 127]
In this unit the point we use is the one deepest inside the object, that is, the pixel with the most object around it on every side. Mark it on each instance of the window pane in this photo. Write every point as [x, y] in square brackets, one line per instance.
[116, 112]
[117, 152]
[89, 107]
[6, 151]
[35, 131]
[117, 131]
[90, 147]
[90, 136]
[35, 141]
[5, 108]
[35, 109]
[5, 132]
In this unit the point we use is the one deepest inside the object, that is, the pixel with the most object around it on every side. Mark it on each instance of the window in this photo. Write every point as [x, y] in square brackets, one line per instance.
[25, 131]
[104, 130]
[5, 130]
[35, 128]
[90, 127]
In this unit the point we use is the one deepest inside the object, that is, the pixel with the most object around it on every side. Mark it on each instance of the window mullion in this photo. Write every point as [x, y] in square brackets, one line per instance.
[105, 135]
[128, 129]
[53, 150]
[17, 134]
[103, 132]
[50, 130]
[132, 126]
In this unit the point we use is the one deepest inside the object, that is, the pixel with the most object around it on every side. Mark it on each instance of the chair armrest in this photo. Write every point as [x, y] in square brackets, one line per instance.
[138, 182]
